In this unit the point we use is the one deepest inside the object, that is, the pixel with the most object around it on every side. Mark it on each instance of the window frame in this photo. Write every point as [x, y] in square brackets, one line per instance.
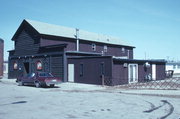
[93, 46]
[134, 79]
[102, 68]
[123, 50]
[105, 48]
[81, 69]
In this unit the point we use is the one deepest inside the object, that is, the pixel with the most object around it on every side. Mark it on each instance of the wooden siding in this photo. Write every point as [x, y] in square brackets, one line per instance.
[1, 57]
[71, 44]
[85, 46]
[12, 73]
[142, 71]
[91, 70]
[57, 66]
[160, 71]
[120, 73]
[53, 64]
[25, 44]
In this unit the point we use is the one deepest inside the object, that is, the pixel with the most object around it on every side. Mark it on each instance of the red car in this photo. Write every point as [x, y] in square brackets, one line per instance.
[39, 79]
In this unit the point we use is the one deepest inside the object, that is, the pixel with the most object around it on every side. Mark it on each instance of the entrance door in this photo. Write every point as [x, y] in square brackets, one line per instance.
[133, 73]
[26, 68]
[154, 72]
[71, 72]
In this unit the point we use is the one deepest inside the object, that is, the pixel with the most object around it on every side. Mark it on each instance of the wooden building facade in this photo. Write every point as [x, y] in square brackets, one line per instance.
[76, 55]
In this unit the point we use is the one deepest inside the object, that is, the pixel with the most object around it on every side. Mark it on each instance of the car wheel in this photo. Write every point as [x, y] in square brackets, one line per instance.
[37, 84]
[20, 83]
[52, 85]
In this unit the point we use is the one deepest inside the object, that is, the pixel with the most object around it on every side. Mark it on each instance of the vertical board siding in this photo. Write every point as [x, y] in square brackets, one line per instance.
[86, 46]
[71, 45]
[57, 66]
[160, 71]
[25, 45]
[52, 64]
[120, 74]
[142, 72]
[91, 70]
[112, 50]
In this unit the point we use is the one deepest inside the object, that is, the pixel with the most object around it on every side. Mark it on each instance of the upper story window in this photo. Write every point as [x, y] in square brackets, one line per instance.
[105, 48]
[94, 47]
[123, 50]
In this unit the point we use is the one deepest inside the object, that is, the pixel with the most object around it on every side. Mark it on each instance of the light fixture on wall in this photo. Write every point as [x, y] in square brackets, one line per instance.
[125, 65]
[147, 65]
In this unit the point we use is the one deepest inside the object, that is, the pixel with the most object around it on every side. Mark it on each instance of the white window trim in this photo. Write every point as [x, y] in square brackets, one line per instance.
[105, 48]
[123, 50]
[134, 81]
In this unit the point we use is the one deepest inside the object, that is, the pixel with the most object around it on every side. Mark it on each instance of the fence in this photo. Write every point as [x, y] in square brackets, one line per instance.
[168, 84]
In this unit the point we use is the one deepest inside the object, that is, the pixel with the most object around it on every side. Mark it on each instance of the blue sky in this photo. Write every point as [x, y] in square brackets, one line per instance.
[152, 26]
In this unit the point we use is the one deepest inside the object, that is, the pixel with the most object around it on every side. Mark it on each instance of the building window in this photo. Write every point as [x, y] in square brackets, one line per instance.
[15, 66]
[94, 47]
[39, 65]
[123, 50]
[105, 48]
[81, 69]
[102, 68]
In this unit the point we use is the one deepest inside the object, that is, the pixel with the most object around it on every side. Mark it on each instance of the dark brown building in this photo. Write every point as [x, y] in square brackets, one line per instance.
[78, 56]
[1, 56]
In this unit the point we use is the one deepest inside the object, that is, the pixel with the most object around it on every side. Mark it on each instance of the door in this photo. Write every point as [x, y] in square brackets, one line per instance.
[71, 72]
[133, 73]
[154, 72]
[26, 68]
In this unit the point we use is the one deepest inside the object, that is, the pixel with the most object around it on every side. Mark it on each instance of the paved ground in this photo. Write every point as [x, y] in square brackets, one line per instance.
[79, 101]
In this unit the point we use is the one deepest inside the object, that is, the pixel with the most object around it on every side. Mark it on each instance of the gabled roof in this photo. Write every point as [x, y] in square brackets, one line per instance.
[61, 31]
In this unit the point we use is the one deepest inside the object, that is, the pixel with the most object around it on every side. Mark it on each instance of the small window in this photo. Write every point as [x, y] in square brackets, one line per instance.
[15, 66]
[102, 68]
[81, 69]
[123, 50]
[105, 48]
[94, 47]
[39, 65]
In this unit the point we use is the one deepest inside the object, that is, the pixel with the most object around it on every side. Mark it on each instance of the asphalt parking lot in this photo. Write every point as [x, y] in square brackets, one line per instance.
[81, 101]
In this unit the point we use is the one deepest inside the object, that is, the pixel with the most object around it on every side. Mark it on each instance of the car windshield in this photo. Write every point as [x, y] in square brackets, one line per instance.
[44, 74]
[30, 75]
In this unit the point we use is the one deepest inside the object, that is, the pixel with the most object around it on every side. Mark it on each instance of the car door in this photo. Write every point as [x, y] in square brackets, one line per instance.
[25, 78]
[29, 79]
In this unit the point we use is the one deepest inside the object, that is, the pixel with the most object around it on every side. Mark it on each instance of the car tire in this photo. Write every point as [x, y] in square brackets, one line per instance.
[37, 84]
[20, 83]
[52, 85]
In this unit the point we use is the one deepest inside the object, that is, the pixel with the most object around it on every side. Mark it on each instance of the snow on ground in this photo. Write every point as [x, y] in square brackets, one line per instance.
[82, 101]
